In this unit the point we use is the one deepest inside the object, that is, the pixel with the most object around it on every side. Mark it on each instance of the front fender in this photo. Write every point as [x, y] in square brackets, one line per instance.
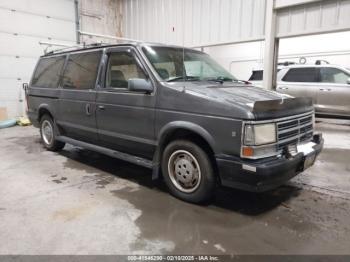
[170, 127]
[195, 128]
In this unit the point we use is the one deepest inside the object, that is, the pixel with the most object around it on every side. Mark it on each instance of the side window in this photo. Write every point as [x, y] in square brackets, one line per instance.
[302, 74]
[48, 71]
[122, 66]
[81, 71]
[257, 75]
[333, 75]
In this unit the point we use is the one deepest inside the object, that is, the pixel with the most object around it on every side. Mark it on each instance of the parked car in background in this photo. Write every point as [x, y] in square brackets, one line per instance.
[327, 85]
[256, 77]
[173, 110]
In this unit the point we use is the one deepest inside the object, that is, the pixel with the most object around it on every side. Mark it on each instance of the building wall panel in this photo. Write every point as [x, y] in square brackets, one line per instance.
[314, 18]
[102, 17]
[57, 9]
[210, 22]
[16, 67]
[33, 25]
[22, 45]
[194, 22]
[23, 24]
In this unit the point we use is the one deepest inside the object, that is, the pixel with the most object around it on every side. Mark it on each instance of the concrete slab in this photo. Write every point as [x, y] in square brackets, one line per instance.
[331, 172]
[81, 202]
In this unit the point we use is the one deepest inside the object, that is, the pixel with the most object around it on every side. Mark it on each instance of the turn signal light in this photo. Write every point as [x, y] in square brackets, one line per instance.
[247, 151]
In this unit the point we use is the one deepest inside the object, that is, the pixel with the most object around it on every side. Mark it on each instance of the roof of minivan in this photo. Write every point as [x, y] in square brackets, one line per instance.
[96, 47]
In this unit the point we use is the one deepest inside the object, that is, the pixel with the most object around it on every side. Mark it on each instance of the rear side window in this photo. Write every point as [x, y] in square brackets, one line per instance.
[48, 71]
[303, 74]
[81, 71]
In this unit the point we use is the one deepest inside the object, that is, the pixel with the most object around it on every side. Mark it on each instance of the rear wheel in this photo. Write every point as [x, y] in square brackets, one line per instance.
[48, 134]
[188, 171]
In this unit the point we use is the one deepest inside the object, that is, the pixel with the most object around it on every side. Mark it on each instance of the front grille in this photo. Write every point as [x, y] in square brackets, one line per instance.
[294, 131]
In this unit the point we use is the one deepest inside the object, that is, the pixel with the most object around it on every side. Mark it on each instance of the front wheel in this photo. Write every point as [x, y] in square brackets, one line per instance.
[48, 134]
[188, 171]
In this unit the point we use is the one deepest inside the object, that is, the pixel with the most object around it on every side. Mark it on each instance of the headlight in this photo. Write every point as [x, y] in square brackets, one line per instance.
[259, 134]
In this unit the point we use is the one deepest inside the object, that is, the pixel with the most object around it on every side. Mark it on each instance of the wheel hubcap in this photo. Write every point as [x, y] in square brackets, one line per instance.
[184, 171]
[47, 132]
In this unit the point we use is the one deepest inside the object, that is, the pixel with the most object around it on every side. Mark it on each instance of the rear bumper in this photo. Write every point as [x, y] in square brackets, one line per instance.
[264, 174]
[33, 117]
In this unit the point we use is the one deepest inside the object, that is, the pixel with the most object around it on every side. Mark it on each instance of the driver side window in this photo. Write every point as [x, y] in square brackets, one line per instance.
[122, 66]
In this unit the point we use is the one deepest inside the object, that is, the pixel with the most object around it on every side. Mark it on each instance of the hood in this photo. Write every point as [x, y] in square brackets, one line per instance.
[262, 103]
[231, 93]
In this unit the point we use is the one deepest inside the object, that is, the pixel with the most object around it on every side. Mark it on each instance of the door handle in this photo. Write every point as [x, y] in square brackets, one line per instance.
[101, 108]
[325, 89]
[283, 88]
[88, 109]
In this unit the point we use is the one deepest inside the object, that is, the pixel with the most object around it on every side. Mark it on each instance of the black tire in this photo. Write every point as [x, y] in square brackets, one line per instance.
[50, 144]
[204, 189]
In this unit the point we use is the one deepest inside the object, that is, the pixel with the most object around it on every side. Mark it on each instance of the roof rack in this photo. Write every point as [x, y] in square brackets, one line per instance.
[286, 63]
[67, 48]
[319, 62]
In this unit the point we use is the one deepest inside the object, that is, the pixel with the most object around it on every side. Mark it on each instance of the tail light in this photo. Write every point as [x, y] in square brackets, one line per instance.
[25, 88]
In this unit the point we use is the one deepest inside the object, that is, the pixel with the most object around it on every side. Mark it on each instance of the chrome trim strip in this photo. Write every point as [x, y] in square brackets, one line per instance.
[297, 118]
[294, 128]
[294, 137]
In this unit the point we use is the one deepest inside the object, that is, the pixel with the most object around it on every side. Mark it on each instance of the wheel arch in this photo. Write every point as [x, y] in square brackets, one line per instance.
[183, 130]
[44, 109]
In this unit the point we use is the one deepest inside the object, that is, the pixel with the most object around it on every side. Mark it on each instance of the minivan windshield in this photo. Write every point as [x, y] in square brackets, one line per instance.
[177, 64]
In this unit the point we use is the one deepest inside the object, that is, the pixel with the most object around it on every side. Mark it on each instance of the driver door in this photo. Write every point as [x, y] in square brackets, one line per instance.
[125, 119]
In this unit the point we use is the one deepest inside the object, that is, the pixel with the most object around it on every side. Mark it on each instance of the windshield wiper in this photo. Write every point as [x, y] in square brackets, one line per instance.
[241, 81]
[222, 79]
[190, 78]
[219, 79]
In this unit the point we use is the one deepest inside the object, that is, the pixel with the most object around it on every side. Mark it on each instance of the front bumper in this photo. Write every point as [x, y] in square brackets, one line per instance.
[264, 174]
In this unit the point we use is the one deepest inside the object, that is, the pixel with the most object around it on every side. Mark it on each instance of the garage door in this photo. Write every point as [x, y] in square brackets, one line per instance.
[23, 24]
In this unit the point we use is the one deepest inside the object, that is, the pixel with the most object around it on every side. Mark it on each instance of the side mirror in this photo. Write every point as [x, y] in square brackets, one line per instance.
[348, 81]
[140, 85]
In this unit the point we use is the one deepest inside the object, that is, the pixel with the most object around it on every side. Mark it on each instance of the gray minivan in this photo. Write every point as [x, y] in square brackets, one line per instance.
[173, 110]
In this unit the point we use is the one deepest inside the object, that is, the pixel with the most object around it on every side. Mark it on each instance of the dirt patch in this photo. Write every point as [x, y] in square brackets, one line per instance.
[59, 180]
[70, 214]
